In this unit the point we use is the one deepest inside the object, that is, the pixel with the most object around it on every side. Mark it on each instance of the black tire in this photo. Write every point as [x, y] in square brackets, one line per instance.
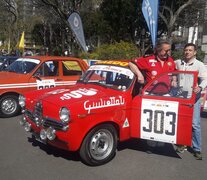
[9, 106]
[99, 146]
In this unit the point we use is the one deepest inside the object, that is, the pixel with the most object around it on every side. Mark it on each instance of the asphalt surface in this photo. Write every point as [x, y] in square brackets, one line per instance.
[22, 158]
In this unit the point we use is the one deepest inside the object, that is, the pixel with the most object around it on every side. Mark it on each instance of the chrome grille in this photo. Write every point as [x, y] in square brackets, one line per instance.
[38, 110]
[37, 117]
[47, 122]
[29, 114]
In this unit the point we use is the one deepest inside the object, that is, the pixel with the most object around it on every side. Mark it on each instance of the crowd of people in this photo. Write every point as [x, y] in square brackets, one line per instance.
[146, 68]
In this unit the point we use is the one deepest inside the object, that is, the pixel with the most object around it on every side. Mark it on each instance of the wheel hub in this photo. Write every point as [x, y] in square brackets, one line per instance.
[8, 106]
[101, 145]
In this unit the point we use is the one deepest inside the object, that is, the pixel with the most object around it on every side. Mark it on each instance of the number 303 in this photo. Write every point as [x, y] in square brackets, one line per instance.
[153, 117]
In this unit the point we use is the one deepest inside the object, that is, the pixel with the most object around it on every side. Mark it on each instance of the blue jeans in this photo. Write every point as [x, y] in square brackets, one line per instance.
[196, 128]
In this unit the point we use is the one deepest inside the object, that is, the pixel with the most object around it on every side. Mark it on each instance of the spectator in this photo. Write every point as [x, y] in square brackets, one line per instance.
[154, 64]
[190, 63]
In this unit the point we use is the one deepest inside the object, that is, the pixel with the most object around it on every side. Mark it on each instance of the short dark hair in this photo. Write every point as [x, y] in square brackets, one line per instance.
[190, 44]
[160, 43]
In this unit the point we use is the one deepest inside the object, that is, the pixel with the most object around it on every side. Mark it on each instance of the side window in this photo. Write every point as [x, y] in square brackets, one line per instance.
[163, 86]
[49, 68]
[71, 68]
[185, 85]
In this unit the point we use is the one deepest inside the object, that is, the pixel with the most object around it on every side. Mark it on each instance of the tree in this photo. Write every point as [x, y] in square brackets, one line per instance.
[9, 16]
[179, 13]
[15, 19]
[55, 22]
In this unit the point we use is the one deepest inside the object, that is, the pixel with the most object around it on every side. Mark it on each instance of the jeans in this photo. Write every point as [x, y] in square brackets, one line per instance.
[196, 131]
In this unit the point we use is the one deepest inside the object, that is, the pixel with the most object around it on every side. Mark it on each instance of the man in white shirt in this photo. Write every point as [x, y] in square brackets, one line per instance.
[190, 63]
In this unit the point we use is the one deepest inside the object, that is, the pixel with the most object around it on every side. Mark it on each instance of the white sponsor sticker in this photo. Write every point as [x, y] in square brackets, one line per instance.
[114, 69]
[126, 123]
[79, 93]
[47, 83]
[159, 120]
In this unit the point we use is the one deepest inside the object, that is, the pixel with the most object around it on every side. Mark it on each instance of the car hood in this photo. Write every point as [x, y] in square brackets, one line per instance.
[11, 77]
[78, 93]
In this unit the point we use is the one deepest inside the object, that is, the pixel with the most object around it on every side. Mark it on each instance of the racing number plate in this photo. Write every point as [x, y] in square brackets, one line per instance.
[159, 120]
[44, 84]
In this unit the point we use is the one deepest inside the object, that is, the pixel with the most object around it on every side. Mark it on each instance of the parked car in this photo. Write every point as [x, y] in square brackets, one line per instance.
[106, 106]
[5, 61]
[36, 72]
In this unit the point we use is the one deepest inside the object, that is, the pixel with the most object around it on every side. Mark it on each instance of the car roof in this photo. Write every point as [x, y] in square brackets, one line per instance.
[46, 58]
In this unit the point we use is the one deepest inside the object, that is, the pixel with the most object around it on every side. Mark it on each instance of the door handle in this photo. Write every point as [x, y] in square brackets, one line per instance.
[189, 105]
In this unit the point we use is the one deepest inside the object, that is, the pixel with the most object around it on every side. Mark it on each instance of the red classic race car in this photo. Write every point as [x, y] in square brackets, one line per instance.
[36, 72]
[108, 106]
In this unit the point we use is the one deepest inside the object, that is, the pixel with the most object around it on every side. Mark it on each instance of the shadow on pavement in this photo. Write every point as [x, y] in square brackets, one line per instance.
[150, 147]
[50, 150]
[204, 114]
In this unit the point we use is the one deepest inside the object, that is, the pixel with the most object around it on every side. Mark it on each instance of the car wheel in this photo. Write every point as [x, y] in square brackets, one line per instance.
[99, 146]
[9, 106]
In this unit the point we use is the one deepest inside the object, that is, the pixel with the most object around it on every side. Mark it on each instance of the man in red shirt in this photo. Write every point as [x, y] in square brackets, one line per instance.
[155, 64]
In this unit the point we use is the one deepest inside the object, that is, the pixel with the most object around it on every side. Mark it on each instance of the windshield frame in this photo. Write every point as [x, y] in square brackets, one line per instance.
[23, 65]
[111, 71]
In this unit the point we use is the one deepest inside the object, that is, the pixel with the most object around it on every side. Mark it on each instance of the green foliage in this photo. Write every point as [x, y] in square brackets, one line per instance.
[178, 54]
[122, 50]
[121, 18]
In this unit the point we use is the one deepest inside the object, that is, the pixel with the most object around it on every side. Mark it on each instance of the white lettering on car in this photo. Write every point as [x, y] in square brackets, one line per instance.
[58, 91]
[102, 103]
[79, 93]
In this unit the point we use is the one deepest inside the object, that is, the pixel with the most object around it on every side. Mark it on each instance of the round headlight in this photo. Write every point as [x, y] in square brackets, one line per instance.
[22, 100]
[43, 134]
[27, 127]
[64, 115]
[51, 133]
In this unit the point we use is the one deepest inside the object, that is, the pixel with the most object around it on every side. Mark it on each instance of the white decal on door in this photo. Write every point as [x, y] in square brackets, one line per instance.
[47, 83]
[159, 120]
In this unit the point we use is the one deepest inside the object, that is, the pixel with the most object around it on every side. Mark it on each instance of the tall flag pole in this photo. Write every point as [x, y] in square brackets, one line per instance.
[77, 28]
[150, 12]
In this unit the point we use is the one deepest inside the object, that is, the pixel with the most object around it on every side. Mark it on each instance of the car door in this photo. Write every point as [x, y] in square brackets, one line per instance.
[164, 113]
[54, 73]
[71, 70]
[46, 76]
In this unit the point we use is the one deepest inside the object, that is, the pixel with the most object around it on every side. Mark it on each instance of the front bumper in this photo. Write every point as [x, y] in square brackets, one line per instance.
[46, 130]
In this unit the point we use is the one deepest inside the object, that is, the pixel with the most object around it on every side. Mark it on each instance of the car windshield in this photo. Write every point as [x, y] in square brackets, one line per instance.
[23, 65]
[115, 77]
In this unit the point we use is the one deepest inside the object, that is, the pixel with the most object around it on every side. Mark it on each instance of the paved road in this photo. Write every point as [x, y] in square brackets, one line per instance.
[23, 159]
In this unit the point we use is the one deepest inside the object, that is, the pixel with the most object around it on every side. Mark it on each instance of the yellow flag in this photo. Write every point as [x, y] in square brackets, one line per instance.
[21, 42]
